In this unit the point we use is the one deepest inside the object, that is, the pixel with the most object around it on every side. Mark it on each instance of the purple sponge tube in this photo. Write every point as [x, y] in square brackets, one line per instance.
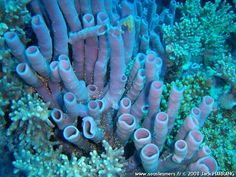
[150, 67]
[174, 162]
[85, 6]
[94, 110]
[206, 107]
[142, 136]
[73, 108]
[71, 16]
[117, 64]
[181, 149]
[25, 72]
[205, 164]
[160, 129]
[16, 46]
[156, 43]
[150, 157]
[97, 6]
[138, 63]
[58, 27]
[175, 98]
[70, 80]
[93, 91]
[202, 152]
[126, 124]
[154, 99]
[61, 119]
[117, 54]
[90, 48]
[193, 139]
[37, 61]
[54, 83]
[137, 85]
[43, 36]
[128, 38]
[91, 130]
[125, 105]
[87, 32]
[73, 135]
[100, 69]
[143, 27]
[144, 43]
[190, 123]
[195, 112]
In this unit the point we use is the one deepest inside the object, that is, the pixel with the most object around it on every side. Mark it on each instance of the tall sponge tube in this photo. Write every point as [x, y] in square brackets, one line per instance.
[150, 157]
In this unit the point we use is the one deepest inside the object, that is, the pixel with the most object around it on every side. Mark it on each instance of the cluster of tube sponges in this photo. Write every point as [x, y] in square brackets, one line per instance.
[95, 89]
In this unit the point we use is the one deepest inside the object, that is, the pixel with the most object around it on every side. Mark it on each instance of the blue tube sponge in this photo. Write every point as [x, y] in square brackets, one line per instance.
[37, 61]
[91, 130]
[70, 80]
[16, 46]
[150, 157]
[126, 124]
[142, 136]
[73, 135]
[61, 119]
[43, 36]
[73, 108]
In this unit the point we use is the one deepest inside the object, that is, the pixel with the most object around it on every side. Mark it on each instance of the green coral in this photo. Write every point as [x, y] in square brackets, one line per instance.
[54, 163]
[3, 103]
[201, 33]
[219, 133]
[26, 110]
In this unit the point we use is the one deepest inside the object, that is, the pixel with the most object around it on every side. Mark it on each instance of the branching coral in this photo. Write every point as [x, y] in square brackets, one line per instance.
[221, 132]
[53, 163]
[201, 33]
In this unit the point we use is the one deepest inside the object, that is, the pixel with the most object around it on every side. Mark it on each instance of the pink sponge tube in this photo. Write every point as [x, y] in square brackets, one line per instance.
[25, 72]
[73, 135]
[87, 32]
[61, 119]
[138, 63]
[85, 7]
[117, 72]
[15, 45]
[137, 86]
[125, 106]
[91, 130]
[43, 36]
[190, 123]
[150, 156]
[206, 107]
[70, 14]
[175, 98]
[70, 80]
[100, 69]
[73, 108]
[173, 162]
[97, 6]
[154, 99]
[160, 129]
[205, 164]
[126, 124]
[37, 61]
[193, 139]
[58, 27]
[195, 112]
[181, 149]
[142, 136]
